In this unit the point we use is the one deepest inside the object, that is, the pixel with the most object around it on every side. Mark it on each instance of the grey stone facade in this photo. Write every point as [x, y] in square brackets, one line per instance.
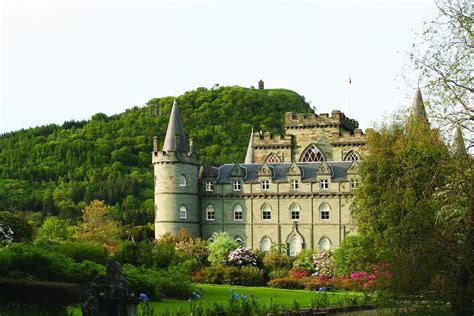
[294, 189]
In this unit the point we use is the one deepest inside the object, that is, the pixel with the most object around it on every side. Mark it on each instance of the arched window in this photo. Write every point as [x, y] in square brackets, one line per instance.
[295, 246]
[238, 213]
[295, 212]
[265, 244]
[312, 154]
[210, 213]
[183, 212]
[324, 243]
[352, 156]
[239, 240]
[266, 212]
[324, 211]
[272, 158]
[182, 181]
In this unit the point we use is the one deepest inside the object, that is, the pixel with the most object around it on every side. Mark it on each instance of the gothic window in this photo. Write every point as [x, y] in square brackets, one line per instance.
[266, 212]
[210, 213]
[294, 184]
[295, 212]
[209, 186]
[238, 213]
[312, 154]
[237, 186]
[183, 212]
[272, 158]
[265, 244]
[352, 156]
[324, 244]
[324, 184]
[182, 181]
[265, 185]
[295, 246]
[324, 211]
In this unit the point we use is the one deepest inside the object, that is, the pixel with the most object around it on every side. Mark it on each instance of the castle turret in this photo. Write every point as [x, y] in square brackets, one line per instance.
[459, 149]
[418, 107]
[176, 181]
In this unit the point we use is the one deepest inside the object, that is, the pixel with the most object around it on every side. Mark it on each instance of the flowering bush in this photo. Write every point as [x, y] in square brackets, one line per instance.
[6, 235]
[287, 283]
[242, 256]
[298, 273]
[324, 263]
[379, 277]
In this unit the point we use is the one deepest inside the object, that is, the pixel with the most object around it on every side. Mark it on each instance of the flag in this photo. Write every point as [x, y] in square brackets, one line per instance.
[350, 81]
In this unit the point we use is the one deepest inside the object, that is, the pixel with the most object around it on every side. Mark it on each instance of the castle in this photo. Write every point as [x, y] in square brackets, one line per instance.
[295, 189]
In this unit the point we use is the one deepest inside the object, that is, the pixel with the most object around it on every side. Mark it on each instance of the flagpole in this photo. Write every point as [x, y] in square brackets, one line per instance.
[350, 101]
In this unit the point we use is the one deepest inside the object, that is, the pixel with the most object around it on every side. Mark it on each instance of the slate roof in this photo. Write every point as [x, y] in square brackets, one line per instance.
[175, 128]
[280, 171]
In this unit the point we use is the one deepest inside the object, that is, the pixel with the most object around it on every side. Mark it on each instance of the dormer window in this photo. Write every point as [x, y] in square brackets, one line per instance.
[324, 184]
[209, 186]
[294, 185]
[265, 185]
[354, 183]
[182, 181]
[237, 186]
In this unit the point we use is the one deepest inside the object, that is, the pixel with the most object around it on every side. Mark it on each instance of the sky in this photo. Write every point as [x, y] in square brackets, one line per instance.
[67, 60]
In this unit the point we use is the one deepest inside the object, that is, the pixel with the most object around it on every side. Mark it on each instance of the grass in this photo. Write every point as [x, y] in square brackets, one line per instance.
[221, 293]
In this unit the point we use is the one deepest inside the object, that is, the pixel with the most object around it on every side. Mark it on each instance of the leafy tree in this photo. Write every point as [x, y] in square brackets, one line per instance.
[444, 60]
[19, 227]
[354, 254]
[54, 229]
[97, 225]
[220, 247]
[395, 208]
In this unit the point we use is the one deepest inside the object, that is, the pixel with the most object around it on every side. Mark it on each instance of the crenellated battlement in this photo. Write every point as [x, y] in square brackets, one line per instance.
[266, 140]
[336, 119]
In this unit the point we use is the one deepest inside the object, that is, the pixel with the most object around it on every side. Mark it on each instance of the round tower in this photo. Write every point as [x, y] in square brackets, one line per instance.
[176, 181]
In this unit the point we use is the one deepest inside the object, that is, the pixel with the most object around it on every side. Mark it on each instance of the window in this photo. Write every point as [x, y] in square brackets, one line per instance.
[183, 212]
[324, 211]
[354, 183]
[352, 156]
[266, 212]
[209, 186]
[237, 186]
[324, 244]
[295, 212]
[272, 158]
[265, 244]
[312, 154]
[295, 246]
[294, 184]
[210, 213]
[238, 213]
[324, 184]
[265, 185]
[182, 181]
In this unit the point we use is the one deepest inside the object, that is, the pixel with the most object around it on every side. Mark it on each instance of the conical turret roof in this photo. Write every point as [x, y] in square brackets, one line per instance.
[418, 106]
[459, 149]
[250, 156]
[175, 140]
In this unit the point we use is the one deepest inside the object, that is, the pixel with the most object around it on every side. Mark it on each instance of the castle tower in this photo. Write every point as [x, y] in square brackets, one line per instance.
[418, 107]
[176, 181]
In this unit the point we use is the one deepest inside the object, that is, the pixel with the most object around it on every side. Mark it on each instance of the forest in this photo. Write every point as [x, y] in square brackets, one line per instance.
[58, 169]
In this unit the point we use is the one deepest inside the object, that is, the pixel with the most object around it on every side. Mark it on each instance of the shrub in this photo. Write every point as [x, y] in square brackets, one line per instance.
[274, 260]
[287, 283]
[242, 256]
[245, 276]
[163, 254]
[80, 251]
[324, 263]
[220, 247]
[37, 292]
[297, 273]
[193, 248]
[279, 273]
[304, 261]
[136, 253]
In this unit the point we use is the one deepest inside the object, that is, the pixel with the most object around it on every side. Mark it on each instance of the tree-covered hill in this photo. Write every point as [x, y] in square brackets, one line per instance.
[56, 169]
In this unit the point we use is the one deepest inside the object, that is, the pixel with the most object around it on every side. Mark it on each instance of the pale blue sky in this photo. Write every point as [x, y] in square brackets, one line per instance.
[70, 60]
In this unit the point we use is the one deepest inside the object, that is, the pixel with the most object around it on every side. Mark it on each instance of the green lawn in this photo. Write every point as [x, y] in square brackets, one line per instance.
[221, 294]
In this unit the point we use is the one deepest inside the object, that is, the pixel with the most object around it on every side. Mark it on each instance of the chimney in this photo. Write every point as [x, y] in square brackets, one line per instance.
[155, 143]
